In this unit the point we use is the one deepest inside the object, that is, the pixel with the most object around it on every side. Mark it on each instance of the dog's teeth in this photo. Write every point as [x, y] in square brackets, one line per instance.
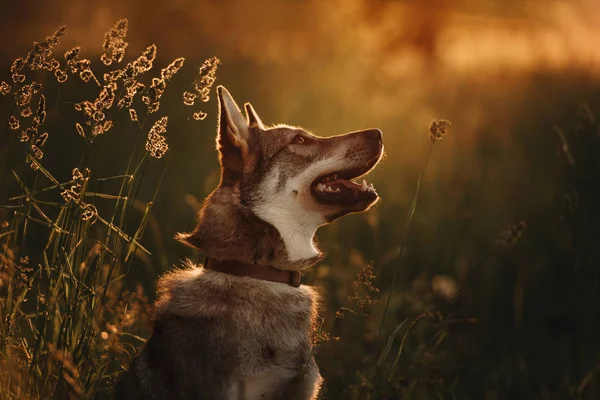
[328, 189]
[320, 187]
[334, 176]
[337, 190]
[371, 187]
[363, 186]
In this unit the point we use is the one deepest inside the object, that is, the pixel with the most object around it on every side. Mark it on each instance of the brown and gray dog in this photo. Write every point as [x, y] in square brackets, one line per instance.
[240, 328]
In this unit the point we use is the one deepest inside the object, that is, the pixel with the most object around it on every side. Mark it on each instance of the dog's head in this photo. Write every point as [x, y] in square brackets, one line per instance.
[290, 178]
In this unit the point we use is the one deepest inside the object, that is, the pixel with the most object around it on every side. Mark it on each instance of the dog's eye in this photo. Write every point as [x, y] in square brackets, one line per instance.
[299, 139]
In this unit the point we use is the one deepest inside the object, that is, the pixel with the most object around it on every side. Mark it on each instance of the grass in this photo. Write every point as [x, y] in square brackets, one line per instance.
[68, 323]
[510, 311]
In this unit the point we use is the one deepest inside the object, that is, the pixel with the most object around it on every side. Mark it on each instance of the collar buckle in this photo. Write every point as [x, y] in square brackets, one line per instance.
[295, 278]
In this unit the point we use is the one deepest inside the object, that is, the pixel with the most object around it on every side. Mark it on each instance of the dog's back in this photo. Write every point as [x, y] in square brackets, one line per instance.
[218, 336]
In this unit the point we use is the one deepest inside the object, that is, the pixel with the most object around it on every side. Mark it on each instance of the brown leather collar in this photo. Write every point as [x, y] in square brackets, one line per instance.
[265, 273]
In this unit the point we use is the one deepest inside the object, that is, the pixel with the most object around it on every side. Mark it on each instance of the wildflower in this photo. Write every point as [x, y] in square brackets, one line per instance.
[199, 116]
[35, 87]
[149, 54]
[140, 65]
[170, 70]
[28, 133]
[68, 195]
[17, 66]
[206, 79]
[86, 75]
[94, 112]
[132, 87]
[97, 130]
[112, 76]
[189, 98]
[153, 107]
[26, 112]
[40, 114]
[61, 76]
[13, 123]
[77, 65]
[40, 57]
[79, 177]
[98, 116]
[156, 143]
[202, 85]
[72, 55]
[4, 88]
[104, 335]
[18, 78]
[437, 129]
[23, 95]
[89, 213]
[107, 96]
[133, 114]
[106, 126]
[37, 152]
[79, 129]
[114, 46]
[77, 174]
[158, 86]
[41, 140]
[152, 99]
[364, 283]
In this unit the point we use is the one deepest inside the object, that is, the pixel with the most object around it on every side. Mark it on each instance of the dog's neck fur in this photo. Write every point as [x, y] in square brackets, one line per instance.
[228, 230]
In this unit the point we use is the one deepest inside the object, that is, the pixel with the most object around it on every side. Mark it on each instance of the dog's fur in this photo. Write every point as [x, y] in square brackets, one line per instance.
[220, 336]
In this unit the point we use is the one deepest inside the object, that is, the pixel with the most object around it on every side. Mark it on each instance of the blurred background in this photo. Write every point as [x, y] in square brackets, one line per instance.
[502, 253]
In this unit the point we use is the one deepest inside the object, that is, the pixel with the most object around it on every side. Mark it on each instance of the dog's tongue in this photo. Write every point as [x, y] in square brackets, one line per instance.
[343, 182]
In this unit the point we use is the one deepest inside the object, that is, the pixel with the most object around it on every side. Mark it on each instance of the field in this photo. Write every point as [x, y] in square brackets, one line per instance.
[477, 276]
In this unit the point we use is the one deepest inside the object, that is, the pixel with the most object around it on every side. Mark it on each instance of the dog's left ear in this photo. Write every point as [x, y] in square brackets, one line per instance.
[235, 138]
[253, 118]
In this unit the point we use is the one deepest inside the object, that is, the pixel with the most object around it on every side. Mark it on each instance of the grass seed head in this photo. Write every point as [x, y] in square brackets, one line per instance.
[40, 56]
[13, 123]
[156, 143]
[438, 129]
[189, 98]
[61, 75]
[206, 79]
[5, 88]
[114, 43]
[26, 112]
[133, 114]
[199, 116]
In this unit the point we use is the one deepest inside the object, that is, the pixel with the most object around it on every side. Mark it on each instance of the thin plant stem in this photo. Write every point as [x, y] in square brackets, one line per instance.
[411, 213]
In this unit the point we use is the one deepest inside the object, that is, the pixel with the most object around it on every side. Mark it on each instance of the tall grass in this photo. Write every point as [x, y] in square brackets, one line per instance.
[68, 323]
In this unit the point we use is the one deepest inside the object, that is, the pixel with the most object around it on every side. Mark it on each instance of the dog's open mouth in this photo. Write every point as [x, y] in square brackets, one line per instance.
[341, 188]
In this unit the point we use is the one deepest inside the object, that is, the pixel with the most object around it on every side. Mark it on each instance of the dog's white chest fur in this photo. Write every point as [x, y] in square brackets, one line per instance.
[263, 385]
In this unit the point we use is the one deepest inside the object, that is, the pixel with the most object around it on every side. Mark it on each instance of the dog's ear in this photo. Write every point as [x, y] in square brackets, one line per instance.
[253, 118]
[235, 138]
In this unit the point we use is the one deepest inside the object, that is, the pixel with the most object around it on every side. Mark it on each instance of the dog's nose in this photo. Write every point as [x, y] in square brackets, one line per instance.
[375, 134]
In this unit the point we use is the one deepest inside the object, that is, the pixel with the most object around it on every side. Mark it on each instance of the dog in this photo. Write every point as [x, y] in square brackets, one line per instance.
[240, 327]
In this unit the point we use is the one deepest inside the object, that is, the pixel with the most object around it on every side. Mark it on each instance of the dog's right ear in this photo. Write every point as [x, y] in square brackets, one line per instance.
[234, 139]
